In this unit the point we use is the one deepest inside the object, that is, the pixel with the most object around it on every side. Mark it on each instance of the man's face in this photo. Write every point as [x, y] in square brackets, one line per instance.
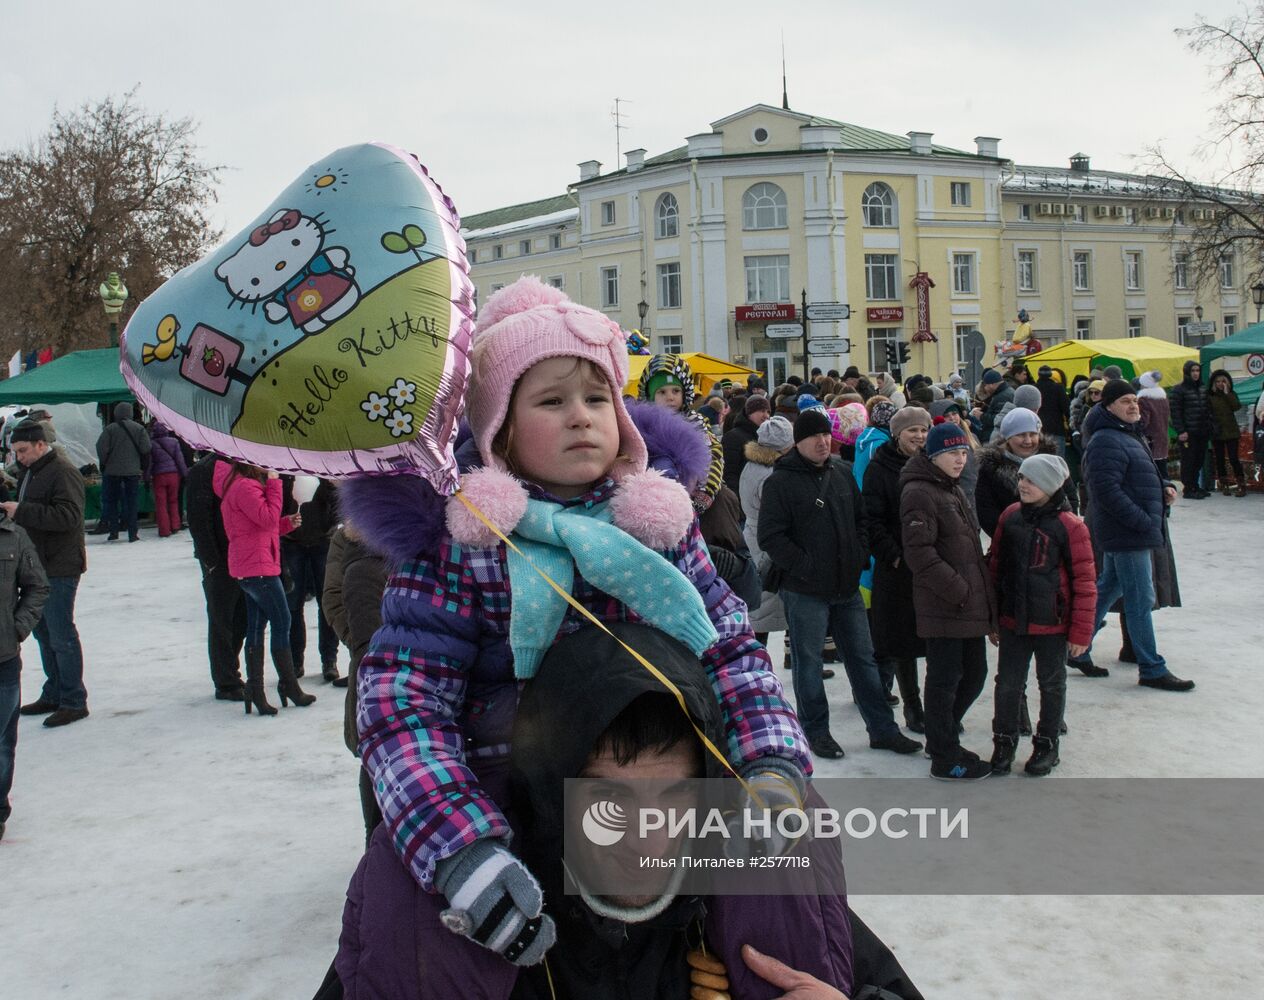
[816, 449]
[1126, 408]
[29, 452]
[990, 387]
[627, 785]
[1195, 372]
[759, 416]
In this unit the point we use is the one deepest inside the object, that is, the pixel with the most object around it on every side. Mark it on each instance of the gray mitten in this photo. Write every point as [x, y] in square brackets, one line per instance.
[495, 901]
[776, 784]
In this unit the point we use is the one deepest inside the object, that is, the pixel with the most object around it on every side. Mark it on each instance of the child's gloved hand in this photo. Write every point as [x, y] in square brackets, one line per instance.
[495, 901]
[775, 785]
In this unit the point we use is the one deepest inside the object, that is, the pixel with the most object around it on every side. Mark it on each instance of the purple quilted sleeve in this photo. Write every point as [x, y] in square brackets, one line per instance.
[411, 687]
[757, 719]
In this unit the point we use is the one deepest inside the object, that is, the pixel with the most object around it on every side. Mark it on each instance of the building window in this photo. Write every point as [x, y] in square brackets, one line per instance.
[1136, 326]
[877, 205]
[960, 351]
[496, 287]
[1024, 212]
[879, 337]
[556, 281]
[607, 213]
[1226, 270]
[498, 252]
[610, 287]
[555, 241]
[881, 281]
[764, 207]
[671, 343]
[473, 255]
[768, 279]
[669, 285]
[524, 247]
[1026, 270]
[1182, 330]
[1077, 213]
[666, 217]
[1082, 270]
[963, 278]
[1230, 324]
[1180, 271]
[1132, 270]
[1084, 328]
[1130, 216]
[961, 193]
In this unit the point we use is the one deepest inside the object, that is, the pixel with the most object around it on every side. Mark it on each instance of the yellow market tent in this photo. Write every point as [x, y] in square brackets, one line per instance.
[1133, 355]
[707, 371]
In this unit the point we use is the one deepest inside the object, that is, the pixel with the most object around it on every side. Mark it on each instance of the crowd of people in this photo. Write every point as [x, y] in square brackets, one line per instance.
[495, 636]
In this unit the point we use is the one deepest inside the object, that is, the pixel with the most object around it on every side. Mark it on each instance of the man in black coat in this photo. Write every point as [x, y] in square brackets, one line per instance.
[50, 507]
[810, 526]
[225, 603]
[756, 410]
[1055, 408]
[1191, 419]
[304, 552]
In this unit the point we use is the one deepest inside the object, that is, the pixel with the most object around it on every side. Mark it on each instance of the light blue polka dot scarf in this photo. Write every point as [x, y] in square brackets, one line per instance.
[560, 539]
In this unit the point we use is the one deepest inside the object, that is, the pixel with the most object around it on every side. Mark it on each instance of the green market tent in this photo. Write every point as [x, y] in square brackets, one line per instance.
[1241, 344]
[1133, 355]
[81, 377]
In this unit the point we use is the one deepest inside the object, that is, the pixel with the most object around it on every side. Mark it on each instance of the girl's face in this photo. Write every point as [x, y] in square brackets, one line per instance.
[952, 462]
[565, 434]
[1220, 385]
[670, 396]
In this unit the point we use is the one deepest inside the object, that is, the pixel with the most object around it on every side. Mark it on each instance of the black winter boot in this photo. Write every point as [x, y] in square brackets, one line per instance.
[1004, 747]
[1044, 757]
[329, 671]
[287, 687]
[910, 695]
[255, 695]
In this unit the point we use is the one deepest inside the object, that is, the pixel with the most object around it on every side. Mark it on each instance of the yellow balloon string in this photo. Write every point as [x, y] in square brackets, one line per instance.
[654, 671]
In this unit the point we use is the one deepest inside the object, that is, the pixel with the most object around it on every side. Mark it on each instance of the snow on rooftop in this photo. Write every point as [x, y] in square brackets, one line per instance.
[550, 219]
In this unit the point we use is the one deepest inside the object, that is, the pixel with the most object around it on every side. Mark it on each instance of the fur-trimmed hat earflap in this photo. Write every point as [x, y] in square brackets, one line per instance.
[652, 508]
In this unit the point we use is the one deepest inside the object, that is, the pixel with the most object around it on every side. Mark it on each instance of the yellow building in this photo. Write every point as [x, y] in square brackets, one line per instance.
[706, 246]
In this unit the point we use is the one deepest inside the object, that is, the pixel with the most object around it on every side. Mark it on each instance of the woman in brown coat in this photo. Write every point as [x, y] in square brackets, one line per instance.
[952, 595]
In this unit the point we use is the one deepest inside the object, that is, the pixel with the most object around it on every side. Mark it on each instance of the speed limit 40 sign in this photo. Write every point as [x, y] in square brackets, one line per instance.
[1255, 364]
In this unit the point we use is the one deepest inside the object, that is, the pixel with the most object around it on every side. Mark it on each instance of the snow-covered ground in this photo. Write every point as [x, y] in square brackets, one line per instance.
[171, 846]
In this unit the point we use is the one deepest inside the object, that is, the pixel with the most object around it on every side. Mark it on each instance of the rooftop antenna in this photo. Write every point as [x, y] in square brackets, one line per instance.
[785, 99]
[618, 117]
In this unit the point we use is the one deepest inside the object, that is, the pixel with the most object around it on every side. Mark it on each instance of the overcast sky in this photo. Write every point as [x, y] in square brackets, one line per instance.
[502, 99]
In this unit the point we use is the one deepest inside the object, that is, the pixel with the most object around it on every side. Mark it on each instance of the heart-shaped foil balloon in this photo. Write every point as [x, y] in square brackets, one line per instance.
[330, 337]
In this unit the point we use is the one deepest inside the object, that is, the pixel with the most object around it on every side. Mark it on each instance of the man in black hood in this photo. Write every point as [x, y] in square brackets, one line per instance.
[1191, 419]
[593, 711]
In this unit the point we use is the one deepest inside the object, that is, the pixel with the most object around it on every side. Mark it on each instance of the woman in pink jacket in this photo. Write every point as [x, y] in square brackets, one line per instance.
[250, 504]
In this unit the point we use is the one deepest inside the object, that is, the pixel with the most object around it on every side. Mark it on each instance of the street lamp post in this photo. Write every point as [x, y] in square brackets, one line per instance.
[1257, 296]
[113, 295]
[643, 310]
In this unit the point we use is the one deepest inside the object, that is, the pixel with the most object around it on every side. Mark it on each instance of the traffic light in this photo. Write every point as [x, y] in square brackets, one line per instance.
[892, 359]
[904, 354]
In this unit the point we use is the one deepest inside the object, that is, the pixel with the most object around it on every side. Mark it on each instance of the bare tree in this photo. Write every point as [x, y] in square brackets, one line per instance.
[109, 187]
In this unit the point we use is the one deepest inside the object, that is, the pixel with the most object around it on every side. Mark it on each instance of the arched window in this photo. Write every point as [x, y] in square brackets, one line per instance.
[877, 205]
[764, 207]
[666, 217]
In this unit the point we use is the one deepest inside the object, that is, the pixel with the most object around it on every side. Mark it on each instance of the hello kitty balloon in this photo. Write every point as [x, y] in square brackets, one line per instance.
[330, 337]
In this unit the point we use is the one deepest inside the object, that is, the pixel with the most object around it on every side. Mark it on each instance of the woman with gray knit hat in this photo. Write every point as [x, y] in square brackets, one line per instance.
[773, 438]
[998, 465]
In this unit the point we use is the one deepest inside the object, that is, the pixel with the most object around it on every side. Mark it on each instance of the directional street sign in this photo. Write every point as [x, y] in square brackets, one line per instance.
[830, 345]
[783, 331]
[1201, 327]
[828, 311]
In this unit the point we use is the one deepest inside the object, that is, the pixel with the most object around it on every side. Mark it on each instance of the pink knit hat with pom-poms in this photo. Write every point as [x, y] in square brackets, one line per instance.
[847, 422]
[528, 322]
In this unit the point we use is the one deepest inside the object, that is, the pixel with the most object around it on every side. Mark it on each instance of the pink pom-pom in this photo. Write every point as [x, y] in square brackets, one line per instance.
[652, 509]
[525, 293]
[500, 498]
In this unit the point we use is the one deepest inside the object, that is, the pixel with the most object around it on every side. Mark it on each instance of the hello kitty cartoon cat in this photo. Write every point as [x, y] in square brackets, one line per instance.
[285, 265]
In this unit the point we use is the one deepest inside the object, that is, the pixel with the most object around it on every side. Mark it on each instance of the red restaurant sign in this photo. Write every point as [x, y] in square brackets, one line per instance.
[885, 314]
[765, 312]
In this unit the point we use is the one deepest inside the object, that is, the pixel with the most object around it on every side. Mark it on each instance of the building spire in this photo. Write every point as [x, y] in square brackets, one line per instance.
[785, 99]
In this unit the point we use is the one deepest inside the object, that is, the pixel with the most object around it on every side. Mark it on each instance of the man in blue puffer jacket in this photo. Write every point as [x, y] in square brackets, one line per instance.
[1128, 500]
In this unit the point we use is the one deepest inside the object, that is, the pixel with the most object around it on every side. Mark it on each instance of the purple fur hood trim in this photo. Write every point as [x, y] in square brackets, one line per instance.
[402, 517]
[675, 445]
